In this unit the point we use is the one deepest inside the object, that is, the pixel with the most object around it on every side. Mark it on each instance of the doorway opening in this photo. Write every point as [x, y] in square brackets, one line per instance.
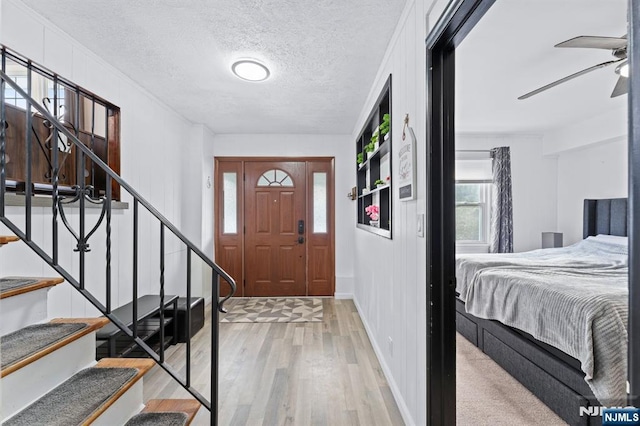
[274, 225]
[443, 62]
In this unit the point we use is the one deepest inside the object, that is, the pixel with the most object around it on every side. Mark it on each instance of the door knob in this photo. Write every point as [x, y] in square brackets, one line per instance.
[300, 240]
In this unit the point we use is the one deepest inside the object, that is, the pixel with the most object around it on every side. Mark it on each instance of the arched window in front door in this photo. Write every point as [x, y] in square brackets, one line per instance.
[275, 177]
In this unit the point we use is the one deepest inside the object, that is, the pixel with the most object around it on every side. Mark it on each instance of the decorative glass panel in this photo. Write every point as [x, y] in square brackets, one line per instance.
[320, 202]
[230, 203]
[275, 177]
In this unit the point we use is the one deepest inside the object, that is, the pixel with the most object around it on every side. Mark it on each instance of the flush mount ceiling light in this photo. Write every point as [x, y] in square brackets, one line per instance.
[250, 69]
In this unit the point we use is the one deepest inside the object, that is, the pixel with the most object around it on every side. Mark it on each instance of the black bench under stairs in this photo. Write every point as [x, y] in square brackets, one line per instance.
[197, 317]
[111, 342]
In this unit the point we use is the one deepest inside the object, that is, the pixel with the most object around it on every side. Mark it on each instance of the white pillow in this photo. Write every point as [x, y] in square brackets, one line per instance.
[612, 239]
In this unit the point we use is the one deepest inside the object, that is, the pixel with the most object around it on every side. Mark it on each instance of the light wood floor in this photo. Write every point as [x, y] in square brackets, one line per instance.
[288, 374]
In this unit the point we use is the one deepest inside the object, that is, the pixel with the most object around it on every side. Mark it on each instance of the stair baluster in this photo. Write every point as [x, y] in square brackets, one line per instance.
[86, 193]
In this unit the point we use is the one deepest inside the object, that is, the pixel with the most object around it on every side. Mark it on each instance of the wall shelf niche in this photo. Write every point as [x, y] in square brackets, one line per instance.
[376, 165]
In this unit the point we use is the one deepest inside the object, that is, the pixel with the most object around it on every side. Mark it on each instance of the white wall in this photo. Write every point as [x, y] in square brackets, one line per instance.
[534, 184]
[592, 130]
[390, 275]
[207, 176]
[197, 198]
[339, 146]
[592, 163]
[595, 171]
[156, 154]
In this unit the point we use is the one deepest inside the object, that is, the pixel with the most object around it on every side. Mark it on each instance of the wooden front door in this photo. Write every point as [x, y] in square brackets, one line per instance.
[259, 239]
[275, 221]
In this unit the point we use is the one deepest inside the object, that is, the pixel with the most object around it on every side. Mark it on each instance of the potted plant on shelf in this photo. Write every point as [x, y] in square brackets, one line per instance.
[375, 137]
[369, 148]
[373, 212]
[379, 183]
[360, 158]
[385, 126]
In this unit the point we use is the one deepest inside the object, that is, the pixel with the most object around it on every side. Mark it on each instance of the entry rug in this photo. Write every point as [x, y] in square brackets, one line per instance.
[279, 309]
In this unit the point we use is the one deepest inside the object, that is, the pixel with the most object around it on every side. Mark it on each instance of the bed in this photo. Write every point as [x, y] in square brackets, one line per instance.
[556, 319]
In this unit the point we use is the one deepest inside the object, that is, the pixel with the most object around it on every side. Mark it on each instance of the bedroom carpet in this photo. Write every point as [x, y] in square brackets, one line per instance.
[488, 395]
[273, 309]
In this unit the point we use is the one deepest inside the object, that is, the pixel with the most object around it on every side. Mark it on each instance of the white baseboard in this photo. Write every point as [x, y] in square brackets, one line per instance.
[395, 391]
[343, 295]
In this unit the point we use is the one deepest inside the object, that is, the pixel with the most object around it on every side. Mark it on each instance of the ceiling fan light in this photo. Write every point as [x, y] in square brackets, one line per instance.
[623, 69]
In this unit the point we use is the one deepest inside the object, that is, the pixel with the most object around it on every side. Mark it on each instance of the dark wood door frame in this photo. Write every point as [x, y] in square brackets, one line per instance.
[317, 284]
[456, 22]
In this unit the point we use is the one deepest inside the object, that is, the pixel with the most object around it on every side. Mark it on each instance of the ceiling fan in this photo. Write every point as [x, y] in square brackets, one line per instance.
[618, 47]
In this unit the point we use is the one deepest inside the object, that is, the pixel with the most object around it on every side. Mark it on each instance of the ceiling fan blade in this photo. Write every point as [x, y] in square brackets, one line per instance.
[567, 78]
[622, 87]
[592, 42]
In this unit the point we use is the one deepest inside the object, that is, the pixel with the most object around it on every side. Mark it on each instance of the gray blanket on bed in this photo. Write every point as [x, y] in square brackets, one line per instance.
[585, 254]
[581, 311]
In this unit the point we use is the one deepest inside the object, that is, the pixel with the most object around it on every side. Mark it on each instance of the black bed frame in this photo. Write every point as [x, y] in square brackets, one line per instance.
[551, 375]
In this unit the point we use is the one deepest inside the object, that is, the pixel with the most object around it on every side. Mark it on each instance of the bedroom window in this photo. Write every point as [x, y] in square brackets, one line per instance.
[474, 180]
[473, 204]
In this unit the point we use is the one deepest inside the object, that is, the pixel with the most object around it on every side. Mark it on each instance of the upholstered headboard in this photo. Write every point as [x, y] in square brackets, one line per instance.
[606, 216]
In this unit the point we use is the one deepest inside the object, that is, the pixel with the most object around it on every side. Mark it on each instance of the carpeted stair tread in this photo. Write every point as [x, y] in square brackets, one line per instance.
[7, 284]
[32, 343]
[189, 407]
[77, 400]
[5, 239]
[159, 419]
[13, 286]
[20, 344]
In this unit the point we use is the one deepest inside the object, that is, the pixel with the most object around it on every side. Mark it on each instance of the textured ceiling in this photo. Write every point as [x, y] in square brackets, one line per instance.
[323, 55]
[510, 52]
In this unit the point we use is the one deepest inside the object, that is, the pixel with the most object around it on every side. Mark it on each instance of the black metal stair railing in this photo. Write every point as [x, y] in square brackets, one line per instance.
[83, 195]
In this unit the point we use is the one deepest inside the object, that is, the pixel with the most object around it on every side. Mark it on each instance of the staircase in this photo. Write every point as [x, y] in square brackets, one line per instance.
[49, 370]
